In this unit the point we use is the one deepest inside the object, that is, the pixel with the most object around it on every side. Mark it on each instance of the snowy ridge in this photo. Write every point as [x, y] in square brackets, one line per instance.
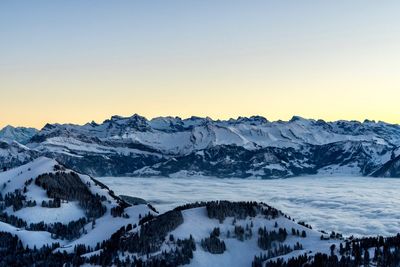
[20, 134]
[14, 154]
[30, 208]
[242, 147]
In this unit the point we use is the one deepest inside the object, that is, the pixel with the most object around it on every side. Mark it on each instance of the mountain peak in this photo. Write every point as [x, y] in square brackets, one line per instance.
[256, 119]
[369, 121]
[297, 118]
[20, 134]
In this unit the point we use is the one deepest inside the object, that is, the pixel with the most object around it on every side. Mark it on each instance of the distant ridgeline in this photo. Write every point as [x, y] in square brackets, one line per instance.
[243, 147]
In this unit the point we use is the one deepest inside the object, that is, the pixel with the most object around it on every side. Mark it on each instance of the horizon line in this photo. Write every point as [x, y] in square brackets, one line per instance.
[366, 120]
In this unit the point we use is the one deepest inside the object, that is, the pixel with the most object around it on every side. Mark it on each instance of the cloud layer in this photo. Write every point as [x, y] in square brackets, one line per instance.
[350, 205]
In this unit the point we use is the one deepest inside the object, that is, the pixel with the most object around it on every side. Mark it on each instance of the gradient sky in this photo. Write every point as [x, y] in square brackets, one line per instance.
[82, 60]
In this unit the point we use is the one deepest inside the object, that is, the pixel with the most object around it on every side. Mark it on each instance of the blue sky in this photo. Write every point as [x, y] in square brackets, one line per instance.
[74, 61]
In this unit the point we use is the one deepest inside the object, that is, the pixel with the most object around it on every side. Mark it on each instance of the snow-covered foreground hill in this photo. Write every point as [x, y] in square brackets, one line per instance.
[43, 203]
[242, 238]
[51, 216]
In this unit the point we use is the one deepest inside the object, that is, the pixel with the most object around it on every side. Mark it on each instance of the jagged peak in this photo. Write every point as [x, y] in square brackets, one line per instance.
[252, 119]
[167, 118]
[49, 126]
[297, 118]
[137, 117]
[92, 124]
[197, 118]
[118, 118]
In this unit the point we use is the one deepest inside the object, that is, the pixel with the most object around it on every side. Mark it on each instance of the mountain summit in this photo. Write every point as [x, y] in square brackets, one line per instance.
[19, 134]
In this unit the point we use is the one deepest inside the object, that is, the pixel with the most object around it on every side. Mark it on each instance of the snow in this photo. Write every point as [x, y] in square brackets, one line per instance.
[240, 253]
[349, 205]
[176, 136]
[67, 212]
[19, 134]
[105, 226]
[15, 178]
[66, 145]
[368, 145]
[163, 141]
[30, 238]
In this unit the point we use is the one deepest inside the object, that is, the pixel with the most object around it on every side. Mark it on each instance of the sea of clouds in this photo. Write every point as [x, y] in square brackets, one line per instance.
[349, 205]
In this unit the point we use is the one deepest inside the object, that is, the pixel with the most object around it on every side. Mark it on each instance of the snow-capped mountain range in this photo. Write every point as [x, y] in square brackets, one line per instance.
[242, 147]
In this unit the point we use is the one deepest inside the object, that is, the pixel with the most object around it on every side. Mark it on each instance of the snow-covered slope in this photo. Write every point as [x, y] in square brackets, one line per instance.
[52, 216]
[43, 203]
[243, 147]
[14, 154]
[390, 169]
[218, 234]
[236, 234]
[241, 251]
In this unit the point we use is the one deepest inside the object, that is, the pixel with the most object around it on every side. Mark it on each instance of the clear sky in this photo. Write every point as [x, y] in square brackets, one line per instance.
[82, 60]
